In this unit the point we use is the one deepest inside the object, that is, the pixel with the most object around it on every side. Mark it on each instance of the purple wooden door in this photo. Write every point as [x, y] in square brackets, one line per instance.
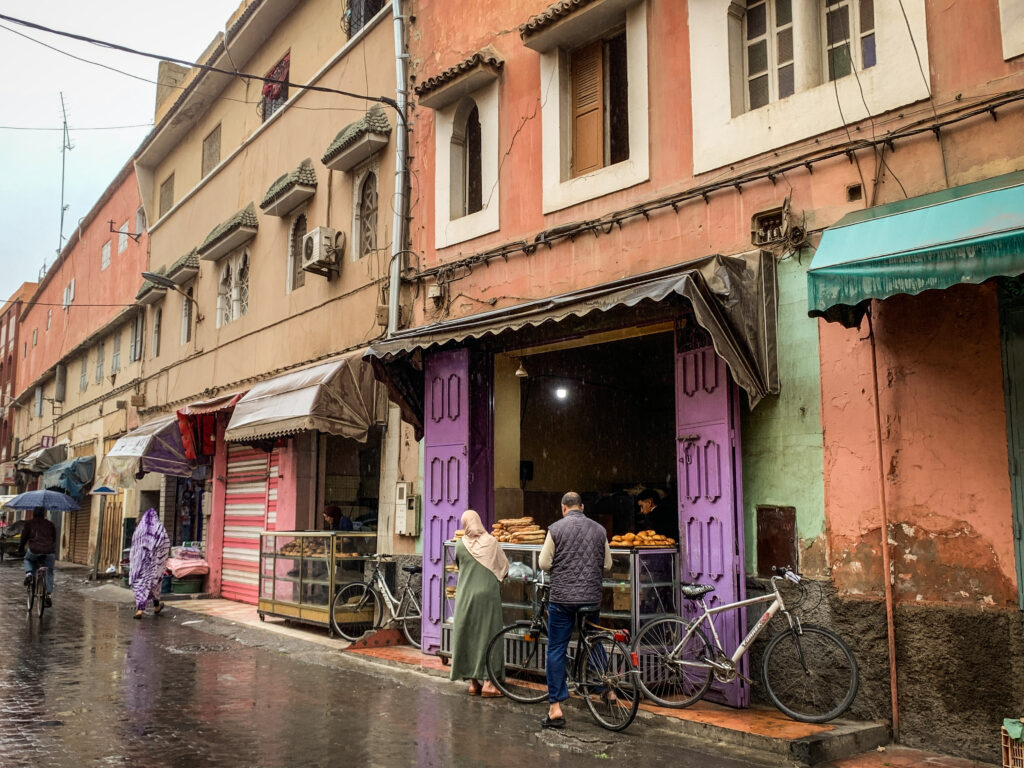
[710, 508]
[446, 420]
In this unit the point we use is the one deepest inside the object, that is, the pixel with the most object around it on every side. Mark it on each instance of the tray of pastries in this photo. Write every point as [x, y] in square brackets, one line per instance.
[649, 539]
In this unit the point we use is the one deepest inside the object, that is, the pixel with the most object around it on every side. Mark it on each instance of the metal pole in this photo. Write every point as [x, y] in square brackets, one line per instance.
[890, 622]
[99, 544]
[401, 138]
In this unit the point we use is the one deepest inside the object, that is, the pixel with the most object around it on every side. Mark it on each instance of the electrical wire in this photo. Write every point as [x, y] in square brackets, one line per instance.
[73, 130]
[203, 67]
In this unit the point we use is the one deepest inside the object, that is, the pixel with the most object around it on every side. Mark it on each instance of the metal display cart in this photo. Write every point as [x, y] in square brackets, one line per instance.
[642, 585]
[300, 571]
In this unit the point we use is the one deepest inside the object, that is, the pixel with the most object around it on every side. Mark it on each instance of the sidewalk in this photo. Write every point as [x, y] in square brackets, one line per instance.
[761, 730]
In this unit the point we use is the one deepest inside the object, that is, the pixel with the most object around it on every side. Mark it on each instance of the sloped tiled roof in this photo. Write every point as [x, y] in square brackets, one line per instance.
[244, 218]
[147, 286]
[304, 174]
[189, 261]
[488, 57]
[549, 16]
[374, 121]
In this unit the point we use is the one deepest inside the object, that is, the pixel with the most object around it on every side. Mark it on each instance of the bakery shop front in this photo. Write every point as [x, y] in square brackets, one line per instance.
[628, 393]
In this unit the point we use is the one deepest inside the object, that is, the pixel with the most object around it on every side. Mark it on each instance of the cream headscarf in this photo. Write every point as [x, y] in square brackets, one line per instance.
[482, 546]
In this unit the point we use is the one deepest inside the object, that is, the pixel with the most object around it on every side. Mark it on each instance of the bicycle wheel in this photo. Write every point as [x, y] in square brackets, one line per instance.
[608, 683]
[516, 661]
[31, 588]
[411, 610]
[811, 674]
[41, 591]
[355, 611]
[670, 677]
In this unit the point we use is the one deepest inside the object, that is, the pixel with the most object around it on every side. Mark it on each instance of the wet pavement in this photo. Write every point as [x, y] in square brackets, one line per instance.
[87, 685]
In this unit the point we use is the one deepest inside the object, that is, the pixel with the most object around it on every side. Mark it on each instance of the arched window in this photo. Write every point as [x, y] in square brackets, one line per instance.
[368, 215]
[158, 317]
[224, 310]
[297, 274]
[242, 286]
[466, 182]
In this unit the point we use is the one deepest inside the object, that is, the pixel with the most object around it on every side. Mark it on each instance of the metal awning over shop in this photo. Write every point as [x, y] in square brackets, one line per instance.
[153, 447]
[966, 234]
[733, 298]
[71, 476]
[42, 459]
[336, 397]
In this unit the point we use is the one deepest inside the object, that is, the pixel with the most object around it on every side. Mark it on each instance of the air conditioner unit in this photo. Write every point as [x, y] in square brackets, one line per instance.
[322, 250]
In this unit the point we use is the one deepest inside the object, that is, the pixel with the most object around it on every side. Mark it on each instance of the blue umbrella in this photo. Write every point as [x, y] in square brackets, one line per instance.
[53, 500]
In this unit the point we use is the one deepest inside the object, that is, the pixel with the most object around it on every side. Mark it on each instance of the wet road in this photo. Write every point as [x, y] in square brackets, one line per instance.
[89, 686]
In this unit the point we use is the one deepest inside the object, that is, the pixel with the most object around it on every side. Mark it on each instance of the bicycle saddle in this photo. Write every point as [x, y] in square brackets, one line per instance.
[589, 612]
[694, 591]
[412, 568]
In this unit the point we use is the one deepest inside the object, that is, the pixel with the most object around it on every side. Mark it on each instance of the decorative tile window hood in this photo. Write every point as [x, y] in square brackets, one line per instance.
[295, 187]
[185, 268]
[467, 76]
[560, 23]
[358, 141]
[229, 235]
[151, 293]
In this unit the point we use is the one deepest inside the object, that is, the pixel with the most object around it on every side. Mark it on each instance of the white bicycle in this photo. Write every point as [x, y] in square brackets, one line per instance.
[359, 607]
[808, 671]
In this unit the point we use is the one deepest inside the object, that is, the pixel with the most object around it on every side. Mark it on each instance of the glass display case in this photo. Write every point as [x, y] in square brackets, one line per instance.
[301, 570]
[642, 585]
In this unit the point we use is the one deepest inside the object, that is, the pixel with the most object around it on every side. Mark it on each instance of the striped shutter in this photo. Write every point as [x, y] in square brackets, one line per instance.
[79, 538]
[588, 109]
[250, 506]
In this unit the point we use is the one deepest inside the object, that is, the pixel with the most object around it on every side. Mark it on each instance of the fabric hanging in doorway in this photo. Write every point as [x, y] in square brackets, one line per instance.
[734, 298]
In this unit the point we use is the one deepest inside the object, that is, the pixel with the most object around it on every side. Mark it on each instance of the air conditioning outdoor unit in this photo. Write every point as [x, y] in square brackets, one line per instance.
[322, 250]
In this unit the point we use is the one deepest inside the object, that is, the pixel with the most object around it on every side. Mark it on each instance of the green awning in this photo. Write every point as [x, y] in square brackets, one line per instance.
[966, 234]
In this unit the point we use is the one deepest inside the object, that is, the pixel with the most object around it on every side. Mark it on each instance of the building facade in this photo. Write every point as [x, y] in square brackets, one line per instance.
[9, 316]
[617, 213]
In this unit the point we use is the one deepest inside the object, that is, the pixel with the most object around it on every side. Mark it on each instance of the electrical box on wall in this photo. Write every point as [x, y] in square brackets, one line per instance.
[407, 510]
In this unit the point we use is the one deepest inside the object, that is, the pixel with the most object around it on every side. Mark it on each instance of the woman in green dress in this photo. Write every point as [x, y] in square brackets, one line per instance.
[482, 567]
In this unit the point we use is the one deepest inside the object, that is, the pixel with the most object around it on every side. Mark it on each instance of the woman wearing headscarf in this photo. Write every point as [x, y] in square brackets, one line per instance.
[150, 547]
[482, 567]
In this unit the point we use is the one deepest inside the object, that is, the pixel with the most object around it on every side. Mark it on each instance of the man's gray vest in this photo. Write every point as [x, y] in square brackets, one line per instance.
[579, 559]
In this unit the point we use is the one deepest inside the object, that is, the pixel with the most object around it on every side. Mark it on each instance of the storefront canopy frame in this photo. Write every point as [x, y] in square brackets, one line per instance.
[154, 447]
[71, 476]
[967, 234]
[734, 298]
[337, 397]
[42, 459]
[213, 405]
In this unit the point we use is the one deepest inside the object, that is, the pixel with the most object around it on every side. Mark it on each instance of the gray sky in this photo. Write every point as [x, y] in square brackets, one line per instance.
[30, 160]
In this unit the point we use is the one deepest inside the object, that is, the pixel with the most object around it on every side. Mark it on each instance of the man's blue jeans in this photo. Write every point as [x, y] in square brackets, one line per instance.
[32, 562]
[562, 618]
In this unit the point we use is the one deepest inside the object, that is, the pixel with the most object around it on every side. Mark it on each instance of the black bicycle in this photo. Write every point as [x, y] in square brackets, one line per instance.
[37, 593]
[602, 671]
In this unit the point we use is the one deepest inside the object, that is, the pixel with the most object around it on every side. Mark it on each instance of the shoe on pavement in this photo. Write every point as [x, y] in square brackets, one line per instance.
[28, 579]
[550, 722]
[48, 601]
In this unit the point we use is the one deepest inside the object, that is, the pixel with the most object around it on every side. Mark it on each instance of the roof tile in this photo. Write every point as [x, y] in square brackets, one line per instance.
[304, 174]
[244, 218]
[488, 57]
[374, 121]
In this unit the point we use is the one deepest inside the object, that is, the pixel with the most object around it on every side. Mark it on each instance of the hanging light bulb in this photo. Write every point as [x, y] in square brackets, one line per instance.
[521, 371]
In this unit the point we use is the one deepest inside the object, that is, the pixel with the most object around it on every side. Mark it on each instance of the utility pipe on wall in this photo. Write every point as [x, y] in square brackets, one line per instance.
[401, 141]
[890, 622]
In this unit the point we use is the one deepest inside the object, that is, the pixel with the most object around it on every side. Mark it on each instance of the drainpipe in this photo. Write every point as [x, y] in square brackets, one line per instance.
[890, 623]
[401, 140]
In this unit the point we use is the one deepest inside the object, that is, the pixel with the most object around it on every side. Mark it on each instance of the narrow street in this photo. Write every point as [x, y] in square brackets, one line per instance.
[87, 685]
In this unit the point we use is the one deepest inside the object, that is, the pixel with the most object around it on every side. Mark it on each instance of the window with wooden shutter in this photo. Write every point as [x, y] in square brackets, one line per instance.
[587, 109]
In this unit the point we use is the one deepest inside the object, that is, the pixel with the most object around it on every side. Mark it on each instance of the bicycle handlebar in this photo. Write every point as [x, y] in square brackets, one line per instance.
[785, 572]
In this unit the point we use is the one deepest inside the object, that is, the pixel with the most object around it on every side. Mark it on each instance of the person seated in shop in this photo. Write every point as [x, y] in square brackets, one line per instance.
[335, 520]
[654, 514]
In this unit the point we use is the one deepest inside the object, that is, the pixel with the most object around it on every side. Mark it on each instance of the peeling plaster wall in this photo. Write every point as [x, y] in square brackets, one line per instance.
[944, 451]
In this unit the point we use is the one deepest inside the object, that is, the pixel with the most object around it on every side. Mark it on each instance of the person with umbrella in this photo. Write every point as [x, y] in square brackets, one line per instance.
[39, 545]
[150, 547]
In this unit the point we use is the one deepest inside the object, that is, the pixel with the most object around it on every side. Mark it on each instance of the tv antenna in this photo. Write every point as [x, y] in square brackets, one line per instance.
[65, 146]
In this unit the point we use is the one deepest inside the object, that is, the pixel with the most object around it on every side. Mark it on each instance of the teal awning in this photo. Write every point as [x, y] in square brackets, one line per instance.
[962, 235]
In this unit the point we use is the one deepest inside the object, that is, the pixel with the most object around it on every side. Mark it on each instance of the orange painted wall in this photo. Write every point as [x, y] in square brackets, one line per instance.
[99, 295]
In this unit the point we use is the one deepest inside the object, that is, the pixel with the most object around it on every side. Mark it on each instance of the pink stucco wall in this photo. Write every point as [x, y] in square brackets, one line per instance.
[944, 450]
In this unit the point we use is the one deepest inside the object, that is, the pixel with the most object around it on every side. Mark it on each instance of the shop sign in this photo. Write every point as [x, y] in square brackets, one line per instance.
[7, 473]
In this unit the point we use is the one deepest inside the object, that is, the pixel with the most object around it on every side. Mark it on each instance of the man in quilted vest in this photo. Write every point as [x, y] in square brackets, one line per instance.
[575, 552]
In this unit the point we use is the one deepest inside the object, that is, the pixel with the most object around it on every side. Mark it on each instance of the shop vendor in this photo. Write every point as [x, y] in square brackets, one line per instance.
[335, 520]
[654, 514]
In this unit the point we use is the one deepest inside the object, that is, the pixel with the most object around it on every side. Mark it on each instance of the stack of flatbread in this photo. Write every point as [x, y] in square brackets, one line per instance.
[520, 530]
[458, 534]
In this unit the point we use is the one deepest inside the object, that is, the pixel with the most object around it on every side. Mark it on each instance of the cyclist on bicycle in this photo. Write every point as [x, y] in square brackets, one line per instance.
[575, 552]
[40, 537]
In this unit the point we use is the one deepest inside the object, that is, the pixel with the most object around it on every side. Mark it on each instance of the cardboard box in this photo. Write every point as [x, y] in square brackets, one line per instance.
[621, 598]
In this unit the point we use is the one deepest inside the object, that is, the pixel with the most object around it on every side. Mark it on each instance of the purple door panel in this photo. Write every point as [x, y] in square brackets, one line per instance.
[446, 473]
[710, 508]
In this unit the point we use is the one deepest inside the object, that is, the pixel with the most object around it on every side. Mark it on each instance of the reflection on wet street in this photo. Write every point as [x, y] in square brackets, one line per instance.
[87, 685]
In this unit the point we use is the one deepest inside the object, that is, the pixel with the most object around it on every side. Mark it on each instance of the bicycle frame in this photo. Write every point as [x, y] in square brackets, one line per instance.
[393, 603]
[777, 605]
